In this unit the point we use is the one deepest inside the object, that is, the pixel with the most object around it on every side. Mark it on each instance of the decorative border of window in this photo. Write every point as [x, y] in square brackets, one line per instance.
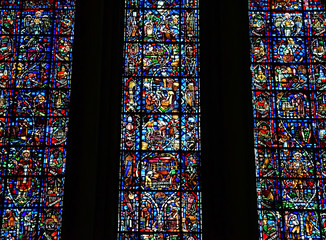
[160, 193]
[289, 104]
[35, 72]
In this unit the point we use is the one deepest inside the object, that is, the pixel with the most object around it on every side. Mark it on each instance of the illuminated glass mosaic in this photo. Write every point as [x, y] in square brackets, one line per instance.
[160, 193]
[288, 65]
[35, 71]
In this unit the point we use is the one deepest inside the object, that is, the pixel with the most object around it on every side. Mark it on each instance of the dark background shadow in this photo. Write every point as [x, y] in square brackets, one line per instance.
[229, 197]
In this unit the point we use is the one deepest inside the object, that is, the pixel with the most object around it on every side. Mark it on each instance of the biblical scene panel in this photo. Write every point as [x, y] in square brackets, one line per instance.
[161, 95]
[161, 132]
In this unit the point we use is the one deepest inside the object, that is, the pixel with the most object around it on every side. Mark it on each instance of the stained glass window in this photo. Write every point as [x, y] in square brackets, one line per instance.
[288, 57]
[160, 193]
[35, 71]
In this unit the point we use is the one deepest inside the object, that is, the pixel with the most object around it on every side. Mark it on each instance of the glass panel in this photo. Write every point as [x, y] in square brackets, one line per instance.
[160, 191]
[289, 107]
[35, 71]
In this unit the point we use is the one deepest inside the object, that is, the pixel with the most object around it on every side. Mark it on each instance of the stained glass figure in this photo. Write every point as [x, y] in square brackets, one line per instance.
[35, 72]
[160, 191]
[288, 84]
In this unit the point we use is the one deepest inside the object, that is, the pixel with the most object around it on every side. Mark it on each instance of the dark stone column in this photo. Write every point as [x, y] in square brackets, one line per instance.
[229, 207]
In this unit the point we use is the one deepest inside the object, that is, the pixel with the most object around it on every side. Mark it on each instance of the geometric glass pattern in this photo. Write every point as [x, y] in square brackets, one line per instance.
[35, 71]
[288, 66]
[160, 192]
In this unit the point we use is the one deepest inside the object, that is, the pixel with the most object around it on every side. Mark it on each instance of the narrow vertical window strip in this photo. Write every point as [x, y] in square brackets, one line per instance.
[288, 87]
[160, 194]
[35, 72]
